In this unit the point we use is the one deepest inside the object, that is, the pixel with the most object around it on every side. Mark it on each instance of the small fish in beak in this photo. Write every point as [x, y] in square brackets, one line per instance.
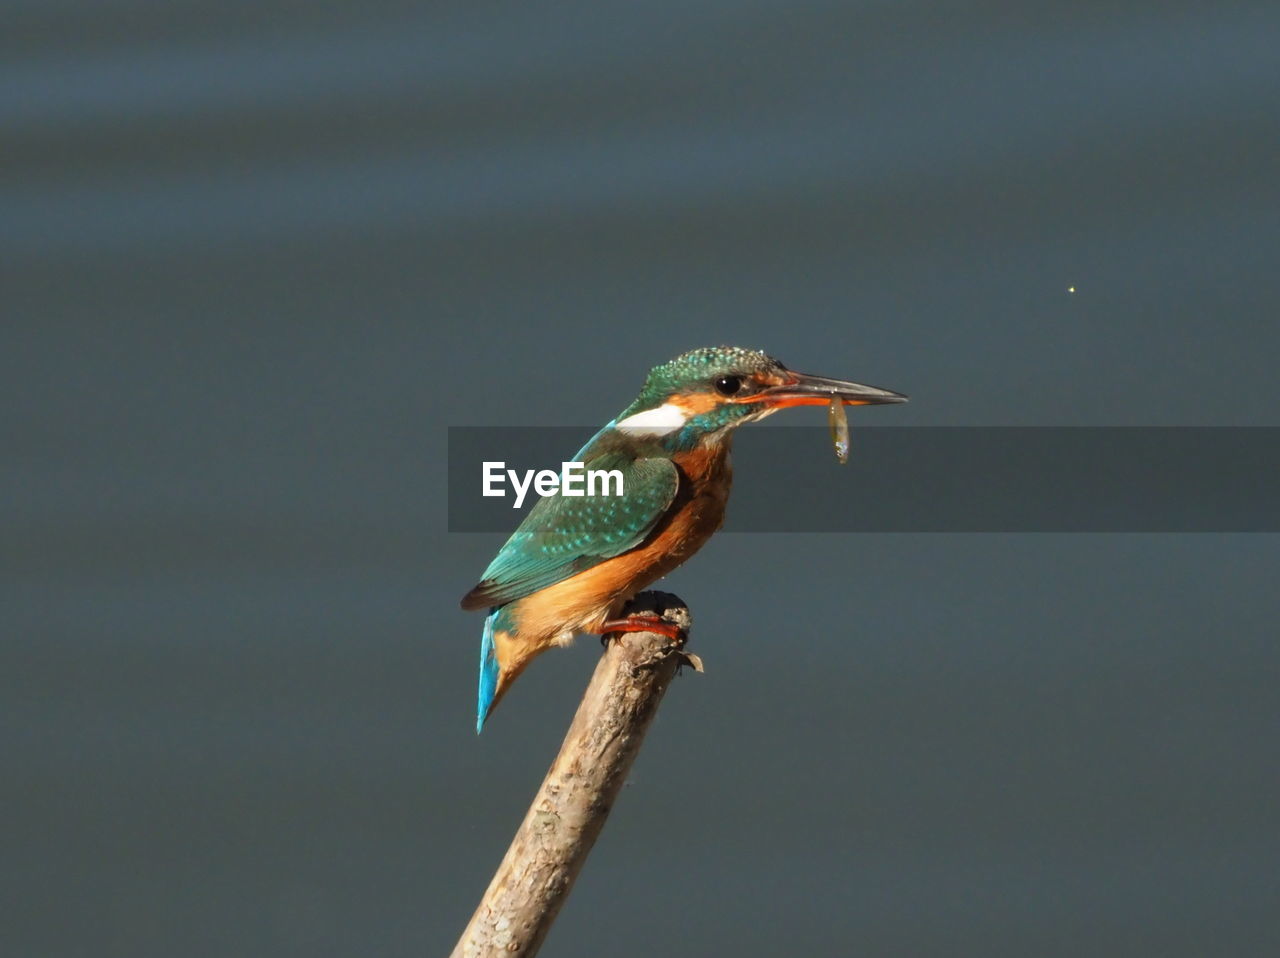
[839, 423]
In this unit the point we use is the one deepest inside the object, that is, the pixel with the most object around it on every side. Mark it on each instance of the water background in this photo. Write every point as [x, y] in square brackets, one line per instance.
[256, 258]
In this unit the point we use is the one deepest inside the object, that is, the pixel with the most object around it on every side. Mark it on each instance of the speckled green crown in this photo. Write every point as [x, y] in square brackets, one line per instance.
[695, 369]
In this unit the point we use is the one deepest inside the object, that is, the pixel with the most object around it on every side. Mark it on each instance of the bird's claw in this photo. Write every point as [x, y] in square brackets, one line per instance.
[690, 659]
[654, 617]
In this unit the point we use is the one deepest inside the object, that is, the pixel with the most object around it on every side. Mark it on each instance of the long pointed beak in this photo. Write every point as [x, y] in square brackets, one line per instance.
[803, 390]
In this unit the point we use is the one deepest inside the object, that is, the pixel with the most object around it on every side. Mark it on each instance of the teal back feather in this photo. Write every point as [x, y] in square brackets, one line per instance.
[564, 535]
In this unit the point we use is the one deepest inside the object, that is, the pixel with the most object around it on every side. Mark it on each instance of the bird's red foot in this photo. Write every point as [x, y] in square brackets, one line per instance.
[642, 623]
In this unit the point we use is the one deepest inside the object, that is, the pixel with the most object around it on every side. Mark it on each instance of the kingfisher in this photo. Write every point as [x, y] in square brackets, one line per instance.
[575, 561]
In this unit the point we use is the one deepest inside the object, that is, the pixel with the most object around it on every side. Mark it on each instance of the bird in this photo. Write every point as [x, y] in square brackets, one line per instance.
[575, 561]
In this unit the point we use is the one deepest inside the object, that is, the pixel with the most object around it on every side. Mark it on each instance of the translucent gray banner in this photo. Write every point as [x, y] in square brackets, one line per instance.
[936, 479]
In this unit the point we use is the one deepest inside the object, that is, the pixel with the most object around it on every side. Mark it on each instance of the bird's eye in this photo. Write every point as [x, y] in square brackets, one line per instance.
[728, 385]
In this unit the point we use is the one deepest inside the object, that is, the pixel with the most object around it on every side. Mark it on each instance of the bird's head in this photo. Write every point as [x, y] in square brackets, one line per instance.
[705, 393]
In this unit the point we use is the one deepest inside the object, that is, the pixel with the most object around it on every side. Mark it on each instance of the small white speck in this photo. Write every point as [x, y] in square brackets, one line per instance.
[1071, 289]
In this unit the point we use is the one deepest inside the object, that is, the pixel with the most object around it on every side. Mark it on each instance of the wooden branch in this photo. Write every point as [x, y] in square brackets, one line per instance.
[566, 816]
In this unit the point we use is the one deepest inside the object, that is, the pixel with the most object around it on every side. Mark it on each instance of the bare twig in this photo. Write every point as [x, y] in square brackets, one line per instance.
[566, 816]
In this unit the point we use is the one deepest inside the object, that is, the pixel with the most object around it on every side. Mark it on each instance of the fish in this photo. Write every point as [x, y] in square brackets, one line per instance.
[839, 424]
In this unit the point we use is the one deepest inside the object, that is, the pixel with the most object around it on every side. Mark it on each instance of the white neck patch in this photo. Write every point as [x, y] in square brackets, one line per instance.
[662, 421]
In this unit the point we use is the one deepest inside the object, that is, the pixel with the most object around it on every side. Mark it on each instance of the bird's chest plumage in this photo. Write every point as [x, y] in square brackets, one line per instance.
[706, 476]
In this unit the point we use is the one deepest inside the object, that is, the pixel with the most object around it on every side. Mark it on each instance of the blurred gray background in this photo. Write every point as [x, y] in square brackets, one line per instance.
[255, 258]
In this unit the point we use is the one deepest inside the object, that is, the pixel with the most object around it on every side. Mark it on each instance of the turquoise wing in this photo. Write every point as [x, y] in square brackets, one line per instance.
[564, 535]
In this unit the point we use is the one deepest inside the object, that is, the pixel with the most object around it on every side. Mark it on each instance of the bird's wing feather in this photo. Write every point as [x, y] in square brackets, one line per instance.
[564, 535]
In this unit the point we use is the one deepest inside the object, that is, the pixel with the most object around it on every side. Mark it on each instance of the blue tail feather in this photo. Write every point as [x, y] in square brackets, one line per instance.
[488, 671]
